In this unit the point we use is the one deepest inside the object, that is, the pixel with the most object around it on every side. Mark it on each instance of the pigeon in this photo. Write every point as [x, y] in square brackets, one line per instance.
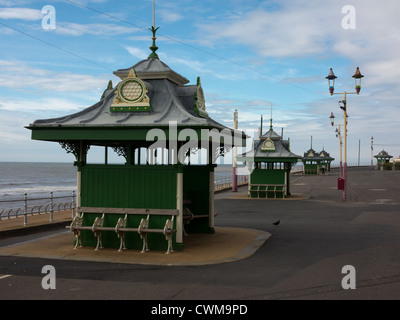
[276, 222]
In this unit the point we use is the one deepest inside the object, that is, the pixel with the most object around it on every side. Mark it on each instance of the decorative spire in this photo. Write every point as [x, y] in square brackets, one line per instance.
[153, 29]
[153, 47]
[270, 123]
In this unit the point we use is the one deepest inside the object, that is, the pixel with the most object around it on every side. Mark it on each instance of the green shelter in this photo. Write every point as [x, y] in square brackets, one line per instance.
[313, 161]
[382, 159]
[269, 163]
[156, 122]
[325, 160]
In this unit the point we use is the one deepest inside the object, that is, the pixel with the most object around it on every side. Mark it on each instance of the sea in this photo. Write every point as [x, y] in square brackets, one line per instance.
[38, 180]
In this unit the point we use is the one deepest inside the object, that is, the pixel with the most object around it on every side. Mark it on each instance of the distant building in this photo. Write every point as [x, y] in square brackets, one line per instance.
[270, 163]
[313, 161]
[383, 159]
[310, 162]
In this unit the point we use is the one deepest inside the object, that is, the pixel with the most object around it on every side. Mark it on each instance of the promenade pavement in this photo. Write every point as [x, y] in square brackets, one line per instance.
[247, 258]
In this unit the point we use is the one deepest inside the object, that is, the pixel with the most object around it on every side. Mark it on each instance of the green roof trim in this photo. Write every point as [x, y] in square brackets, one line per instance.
[106, 134]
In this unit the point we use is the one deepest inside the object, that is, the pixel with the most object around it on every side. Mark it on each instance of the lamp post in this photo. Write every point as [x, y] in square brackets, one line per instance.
[338, 135]
[234, 163]
[331, 81]
[372, 153]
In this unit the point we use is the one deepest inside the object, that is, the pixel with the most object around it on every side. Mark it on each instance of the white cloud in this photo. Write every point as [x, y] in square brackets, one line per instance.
[306, 28]
[198, 66]
[11, 127]
[18, 75]
[169, 16]
[76, 29]
[6, 31]
[47, 104]
[295, 30]
[138, 53]
[20, 13]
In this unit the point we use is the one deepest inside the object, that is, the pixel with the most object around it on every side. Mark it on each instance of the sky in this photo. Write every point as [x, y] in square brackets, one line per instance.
[249, 55]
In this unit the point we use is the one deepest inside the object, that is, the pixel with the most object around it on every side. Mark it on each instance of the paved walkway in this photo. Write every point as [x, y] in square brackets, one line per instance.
[302, 258]
[226, 245]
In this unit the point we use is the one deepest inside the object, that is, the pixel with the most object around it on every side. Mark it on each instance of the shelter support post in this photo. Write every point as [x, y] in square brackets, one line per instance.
[211, 215]
[179, 207]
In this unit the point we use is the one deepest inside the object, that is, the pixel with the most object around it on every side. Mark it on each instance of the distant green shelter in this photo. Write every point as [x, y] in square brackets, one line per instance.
[155, 121]
[270, 163]
[382, 159]
[313, 161]
[325, 160]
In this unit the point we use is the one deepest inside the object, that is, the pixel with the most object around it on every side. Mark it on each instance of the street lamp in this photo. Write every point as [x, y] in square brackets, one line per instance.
[372, 153]
[357, 77]
[332, 117]
[331, 81]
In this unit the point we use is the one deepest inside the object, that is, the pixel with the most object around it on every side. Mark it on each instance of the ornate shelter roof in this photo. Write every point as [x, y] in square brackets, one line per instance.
[150, 94]
[383, 155]
[270, 147]
[310, 154]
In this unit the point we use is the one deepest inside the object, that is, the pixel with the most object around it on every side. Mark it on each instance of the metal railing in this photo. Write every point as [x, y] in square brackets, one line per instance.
[222, 183]
[30, 206]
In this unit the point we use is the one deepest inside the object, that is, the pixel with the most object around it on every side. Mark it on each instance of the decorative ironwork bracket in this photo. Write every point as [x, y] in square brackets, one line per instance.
[121, 151]
[74, 148]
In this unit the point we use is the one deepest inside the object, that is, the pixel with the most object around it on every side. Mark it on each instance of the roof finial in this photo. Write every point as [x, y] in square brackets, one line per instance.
[153, 29]
[270, 124]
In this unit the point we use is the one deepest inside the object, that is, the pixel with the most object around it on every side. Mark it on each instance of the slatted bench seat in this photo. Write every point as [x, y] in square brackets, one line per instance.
[121, 226]
[267, 190]
[187, 213]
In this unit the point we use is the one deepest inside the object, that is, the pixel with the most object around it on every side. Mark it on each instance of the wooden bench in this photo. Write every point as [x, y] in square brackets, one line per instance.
[188, 214]
[121, 226]
[268, 190]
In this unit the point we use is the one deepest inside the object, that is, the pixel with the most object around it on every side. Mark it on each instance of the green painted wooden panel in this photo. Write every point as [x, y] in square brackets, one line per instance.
[310, 168]
[123, 186]
[264, 176]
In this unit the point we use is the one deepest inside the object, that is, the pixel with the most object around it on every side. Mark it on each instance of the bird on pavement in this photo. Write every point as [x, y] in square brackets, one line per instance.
[276, 222]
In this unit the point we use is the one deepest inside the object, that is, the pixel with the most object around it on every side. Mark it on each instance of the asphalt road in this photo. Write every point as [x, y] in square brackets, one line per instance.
[303, 259]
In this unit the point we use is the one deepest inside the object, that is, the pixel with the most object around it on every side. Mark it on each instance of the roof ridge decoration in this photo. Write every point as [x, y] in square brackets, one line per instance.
[199, 100]
[109, 87]
[311, 153]
[323, 154]
[268, 145]
[131, 95]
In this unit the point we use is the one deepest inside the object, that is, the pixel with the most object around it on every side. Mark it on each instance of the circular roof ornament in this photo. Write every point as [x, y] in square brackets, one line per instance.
[131, 95]
[131, 90]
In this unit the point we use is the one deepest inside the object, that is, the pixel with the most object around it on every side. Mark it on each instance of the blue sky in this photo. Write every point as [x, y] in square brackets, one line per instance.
[247, 53]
